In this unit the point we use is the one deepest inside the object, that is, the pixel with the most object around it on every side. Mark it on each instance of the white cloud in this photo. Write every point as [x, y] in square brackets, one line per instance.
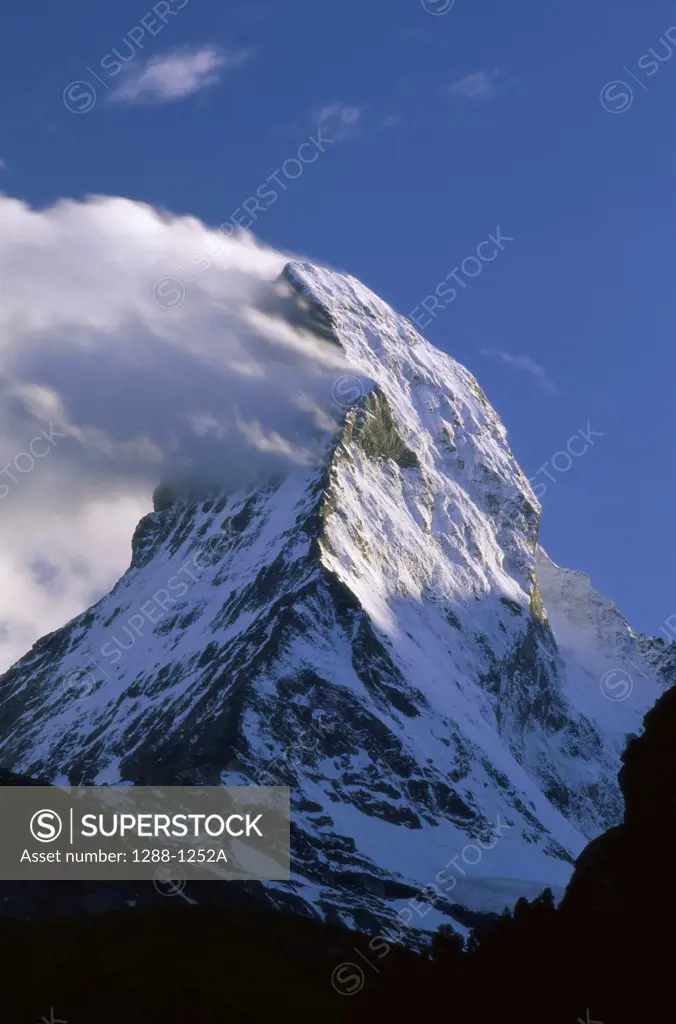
[176, 75]
[3, 165]
[525, 364]
[135, 387]
[478, 86]
[339, 120]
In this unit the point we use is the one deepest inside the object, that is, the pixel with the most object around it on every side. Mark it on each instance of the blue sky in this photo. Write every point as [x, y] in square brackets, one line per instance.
[553, 122]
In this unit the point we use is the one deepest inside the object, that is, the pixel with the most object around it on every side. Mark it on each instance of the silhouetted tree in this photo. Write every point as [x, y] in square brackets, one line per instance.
[447, 948]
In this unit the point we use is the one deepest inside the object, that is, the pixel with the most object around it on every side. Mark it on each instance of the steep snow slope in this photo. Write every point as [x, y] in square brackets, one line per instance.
[611, 671]
[370, 633]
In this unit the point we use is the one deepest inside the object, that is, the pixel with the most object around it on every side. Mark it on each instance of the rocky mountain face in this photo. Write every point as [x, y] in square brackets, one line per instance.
[605, 954]
[381, 633]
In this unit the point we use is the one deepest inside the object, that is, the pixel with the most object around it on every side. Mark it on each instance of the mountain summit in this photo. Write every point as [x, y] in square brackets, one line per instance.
[381, 633]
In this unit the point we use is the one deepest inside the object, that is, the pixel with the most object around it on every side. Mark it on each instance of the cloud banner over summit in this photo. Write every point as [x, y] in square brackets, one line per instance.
[140, 364]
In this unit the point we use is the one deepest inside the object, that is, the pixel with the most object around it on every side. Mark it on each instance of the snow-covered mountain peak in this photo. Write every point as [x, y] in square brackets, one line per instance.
[370, 632]
[386, 348]
[441, 413]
